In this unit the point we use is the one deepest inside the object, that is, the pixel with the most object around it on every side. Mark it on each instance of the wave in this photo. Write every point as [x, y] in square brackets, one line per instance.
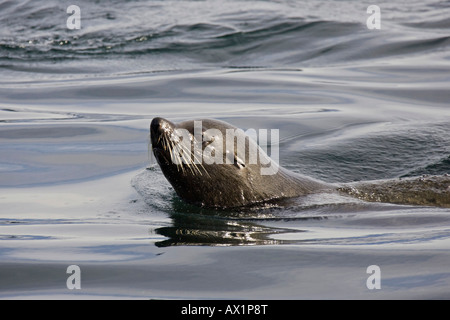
[217, 36]
[439, 167]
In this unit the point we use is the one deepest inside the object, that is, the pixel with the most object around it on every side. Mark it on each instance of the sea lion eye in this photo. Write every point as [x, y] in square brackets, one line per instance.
[238, 162]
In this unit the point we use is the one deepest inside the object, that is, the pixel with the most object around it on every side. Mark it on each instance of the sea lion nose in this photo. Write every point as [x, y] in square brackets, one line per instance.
[158, 127]
[155, 125]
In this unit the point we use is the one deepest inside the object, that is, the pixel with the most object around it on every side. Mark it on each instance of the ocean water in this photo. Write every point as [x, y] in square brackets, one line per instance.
[77, 182]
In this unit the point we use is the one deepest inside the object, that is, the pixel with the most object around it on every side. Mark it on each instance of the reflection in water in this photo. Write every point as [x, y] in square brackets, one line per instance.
[213, 231]
[387, 228]
[256, 225]
[337, 224]
[192, 225]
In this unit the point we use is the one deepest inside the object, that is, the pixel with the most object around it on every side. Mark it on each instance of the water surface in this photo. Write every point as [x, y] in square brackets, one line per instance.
[77, 185]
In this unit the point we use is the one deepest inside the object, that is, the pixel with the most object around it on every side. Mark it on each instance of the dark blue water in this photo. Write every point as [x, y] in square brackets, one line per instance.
[77, 185]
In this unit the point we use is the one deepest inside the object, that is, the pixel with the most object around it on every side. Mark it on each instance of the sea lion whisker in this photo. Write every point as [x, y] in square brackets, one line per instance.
[184, 153]
[194, 161]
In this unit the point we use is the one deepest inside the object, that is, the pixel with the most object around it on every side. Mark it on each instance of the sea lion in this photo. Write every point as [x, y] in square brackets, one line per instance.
[208, 168]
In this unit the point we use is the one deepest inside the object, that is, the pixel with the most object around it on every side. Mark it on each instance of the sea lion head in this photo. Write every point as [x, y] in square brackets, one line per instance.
[212, 163]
